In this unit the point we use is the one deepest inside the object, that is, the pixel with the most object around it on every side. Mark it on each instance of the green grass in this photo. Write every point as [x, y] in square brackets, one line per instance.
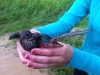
[18, 15]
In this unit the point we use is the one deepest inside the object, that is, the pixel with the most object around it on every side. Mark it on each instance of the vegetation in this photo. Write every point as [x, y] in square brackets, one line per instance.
[18, 15]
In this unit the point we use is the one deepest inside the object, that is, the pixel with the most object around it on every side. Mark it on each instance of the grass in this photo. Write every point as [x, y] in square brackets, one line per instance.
[18, 15]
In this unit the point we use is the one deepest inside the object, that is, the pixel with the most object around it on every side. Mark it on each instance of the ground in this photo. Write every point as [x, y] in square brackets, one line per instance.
[10, 63]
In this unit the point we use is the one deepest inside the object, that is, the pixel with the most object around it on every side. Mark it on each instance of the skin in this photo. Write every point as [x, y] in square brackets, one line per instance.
[49, 56]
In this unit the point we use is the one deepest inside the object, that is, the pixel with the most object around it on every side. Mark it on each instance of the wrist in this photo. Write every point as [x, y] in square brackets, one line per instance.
[70, 54]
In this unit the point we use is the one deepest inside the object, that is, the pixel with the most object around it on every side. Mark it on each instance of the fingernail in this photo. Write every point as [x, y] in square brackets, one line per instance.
[33, 52]
[27, 56]
[29, 65]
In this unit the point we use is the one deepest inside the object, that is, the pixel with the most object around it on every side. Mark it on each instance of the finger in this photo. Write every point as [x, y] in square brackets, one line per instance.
[55, 45]
[46, 45]
[48, 51]
[44, 59]
[40, 66]
[21, 48]
[35, 31]
[22, 58]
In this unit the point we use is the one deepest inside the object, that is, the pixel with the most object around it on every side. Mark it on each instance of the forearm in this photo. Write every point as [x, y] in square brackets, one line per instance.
[69, 20]
[85, 61]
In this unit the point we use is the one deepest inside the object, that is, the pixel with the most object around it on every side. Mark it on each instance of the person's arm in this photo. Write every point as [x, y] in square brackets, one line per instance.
[85, 61]
[56, 56]
[77, 12]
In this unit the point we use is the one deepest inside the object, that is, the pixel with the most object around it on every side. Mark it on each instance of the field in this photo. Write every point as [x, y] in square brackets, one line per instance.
[19, 15]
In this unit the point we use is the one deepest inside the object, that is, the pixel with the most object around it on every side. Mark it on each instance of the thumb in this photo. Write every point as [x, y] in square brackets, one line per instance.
[35, 31]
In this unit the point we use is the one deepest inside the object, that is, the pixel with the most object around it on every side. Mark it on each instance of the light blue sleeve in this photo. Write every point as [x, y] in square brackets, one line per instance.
[85, 61]
[69, 20]
[81, 60]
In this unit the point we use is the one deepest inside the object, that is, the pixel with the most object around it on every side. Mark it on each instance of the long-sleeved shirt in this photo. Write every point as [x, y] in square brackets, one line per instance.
[88, 58]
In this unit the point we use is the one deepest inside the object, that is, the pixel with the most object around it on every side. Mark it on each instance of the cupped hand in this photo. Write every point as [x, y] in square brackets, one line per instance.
[51, 56]
[22, 53]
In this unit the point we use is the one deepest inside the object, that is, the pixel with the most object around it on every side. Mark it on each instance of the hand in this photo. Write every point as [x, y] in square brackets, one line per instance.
[51, 56]
[22, 53]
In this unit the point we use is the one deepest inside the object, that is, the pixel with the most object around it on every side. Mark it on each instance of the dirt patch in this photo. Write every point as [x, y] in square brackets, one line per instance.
[10, 63]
